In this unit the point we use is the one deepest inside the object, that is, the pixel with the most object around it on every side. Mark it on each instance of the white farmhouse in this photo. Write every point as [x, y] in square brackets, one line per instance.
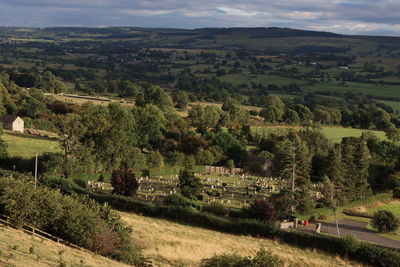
[12, 123]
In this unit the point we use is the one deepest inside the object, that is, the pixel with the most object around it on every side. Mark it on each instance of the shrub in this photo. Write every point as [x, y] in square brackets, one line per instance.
[384, 221]
[124, 183]
[393, 181]
[263, 258]
[262, 210]
[396, 192]
[179, 201]
[216, 209]
[242, 213]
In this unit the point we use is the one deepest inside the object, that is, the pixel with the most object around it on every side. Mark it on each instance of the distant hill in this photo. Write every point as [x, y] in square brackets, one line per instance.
[272, 32]
[270, 40]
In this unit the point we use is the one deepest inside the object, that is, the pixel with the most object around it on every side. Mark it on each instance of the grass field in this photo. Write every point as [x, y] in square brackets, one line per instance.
[26, 146]
[335, 134]
[356, 88]
[20, 249]
[171, 244]
[367, 202]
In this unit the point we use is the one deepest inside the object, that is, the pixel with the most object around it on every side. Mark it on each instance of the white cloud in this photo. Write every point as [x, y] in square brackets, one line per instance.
[301, 15]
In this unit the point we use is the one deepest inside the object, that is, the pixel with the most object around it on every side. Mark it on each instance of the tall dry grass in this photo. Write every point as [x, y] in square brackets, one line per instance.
[22, 250]
[171, 244]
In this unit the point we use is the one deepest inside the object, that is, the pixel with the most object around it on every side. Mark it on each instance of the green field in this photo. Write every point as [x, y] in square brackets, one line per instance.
[393, 207]
[26, 146]
[335, 134]
[358, 88]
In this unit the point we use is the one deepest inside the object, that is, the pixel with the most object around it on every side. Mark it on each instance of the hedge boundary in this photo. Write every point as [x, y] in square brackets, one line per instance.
[363, 252]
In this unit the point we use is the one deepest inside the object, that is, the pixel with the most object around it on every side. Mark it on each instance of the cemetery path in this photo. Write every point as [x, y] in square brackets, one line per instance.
[357, 228]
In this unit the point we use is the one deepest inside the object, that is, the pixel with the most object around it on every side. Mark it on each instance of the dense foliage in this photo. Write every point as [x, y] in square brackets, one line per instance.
[74, 218]
[385, 221]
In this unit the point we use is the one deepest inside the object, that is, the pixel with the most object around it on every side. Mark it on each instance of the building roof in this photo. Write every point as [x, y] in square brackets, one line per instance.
[8, 118]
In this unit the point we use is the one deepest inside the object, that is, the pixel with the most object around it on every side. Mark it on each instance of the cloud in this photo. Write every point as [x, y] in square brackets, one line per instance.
[343, 16]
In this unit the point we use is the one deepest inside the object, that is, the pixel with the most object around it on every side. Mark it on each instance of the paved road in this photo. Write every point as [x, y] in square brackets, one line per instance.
[359, 229]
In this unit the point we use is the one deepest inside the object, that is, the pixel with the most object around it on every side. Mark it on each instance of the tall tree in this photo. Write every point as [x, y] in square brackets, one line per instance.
[189, 184]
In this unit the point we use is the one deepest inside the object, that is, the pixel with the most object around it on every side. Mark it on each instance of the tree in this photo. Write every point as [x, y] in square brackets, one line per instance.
[236, 112]
[334, 173]
[155, 159]
[181, 99]
[189, 184]
[304, 113]
[291, 117]
[283, 203]
[154, 95]
[273, 110]
[396, 192]
[385, 221]
[204, 118]
[77, 153]
[150, 122]
[124, 183]
[293, 163]
[355, 163]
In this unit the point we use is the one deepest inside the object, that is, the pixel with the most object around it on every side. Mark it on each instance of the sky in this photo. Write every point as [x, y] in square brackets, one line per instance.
[378, 17]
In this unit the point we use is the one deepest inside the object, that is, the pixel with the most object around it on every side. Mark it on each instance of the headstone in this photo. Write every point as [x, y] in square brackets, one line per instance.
[318, 228]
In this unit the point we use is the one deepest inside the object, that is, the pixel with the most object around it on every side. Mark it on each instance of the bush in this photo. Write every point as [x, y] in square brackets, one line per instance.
[396, 192]
[179, 201]
[124, 183]
[216, 209]
[242, 213]
[262, 210]
[263, 258]
[384, 221]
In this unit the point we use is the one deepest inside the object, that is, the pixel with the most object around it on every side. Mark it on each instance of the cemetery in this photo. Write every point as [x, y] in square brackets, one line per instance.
[232, 190]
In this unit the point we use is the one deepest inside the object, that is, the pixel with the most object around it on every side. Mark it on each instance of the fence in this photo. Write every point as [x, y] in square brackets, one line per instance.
[4, 220]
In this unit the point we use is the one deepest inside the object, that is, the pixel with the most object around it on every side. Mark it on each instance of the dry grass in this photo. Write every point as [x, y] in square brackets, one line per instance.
[20, 249]
[171, 244]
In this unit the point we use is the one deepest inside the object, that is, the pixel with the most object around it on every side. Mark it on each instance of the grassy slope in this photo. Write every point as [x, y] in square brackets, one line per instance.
[20, 249]
[171, 244]
[26, 146]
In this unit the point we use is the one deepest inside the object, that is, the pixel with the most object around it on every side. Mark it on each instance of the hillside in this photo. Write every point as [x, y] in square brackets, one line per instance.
[20, 249]
[171, 244]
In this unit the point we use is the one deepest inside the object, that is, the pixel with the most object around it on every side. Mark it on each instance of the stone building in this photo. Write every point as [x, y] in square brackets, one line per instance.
[12, 123]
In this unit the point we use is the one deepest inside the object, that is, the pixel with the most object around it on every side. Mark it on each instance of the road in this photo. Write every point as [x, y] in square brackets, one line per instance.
[359, 229]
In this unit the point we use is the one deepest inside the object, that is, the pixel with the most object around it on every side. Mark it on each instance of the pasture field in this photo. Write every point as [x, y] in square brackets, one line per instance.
[395, 105]
[81, 101]
[240, 78]
[26, 146]
[393, 207]
[335, 134]
[170, 244]
[358, 88]
[20, 249]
